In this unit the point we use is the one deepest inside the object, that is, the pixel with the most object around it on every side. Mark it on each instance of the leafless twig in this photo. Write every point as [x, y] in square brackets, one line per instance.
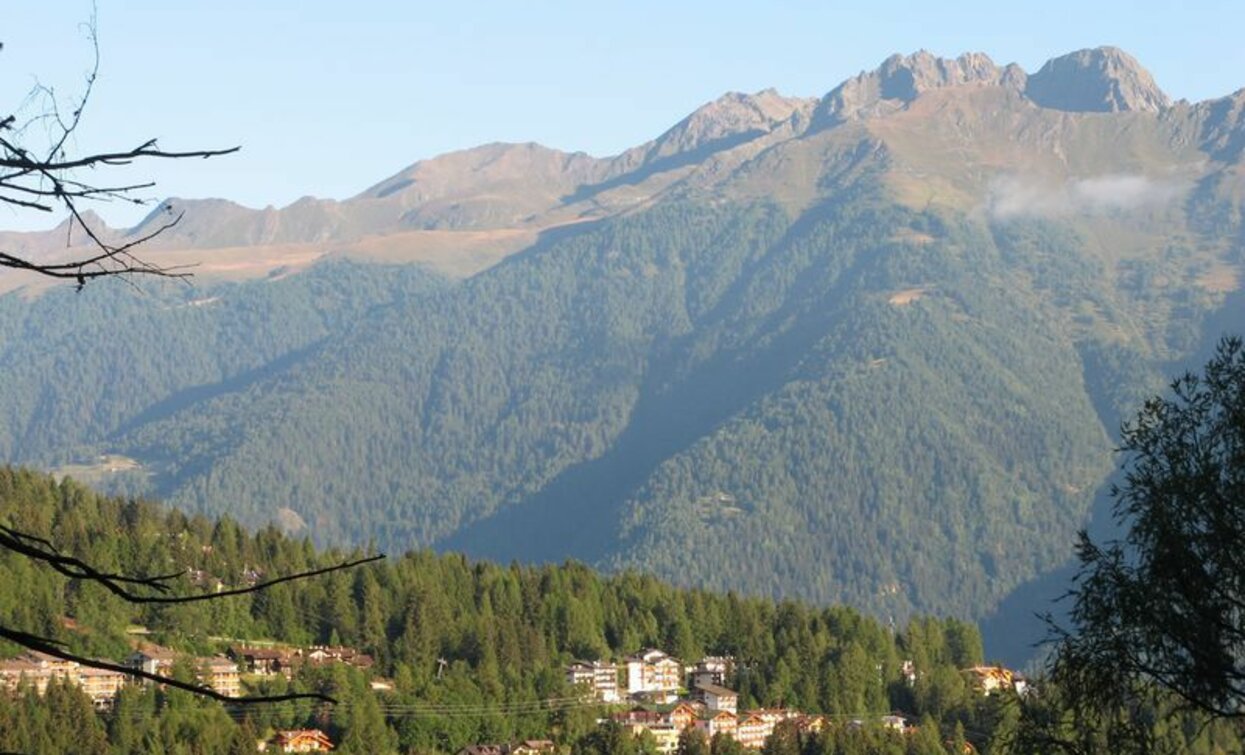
[56, 650]
[43, 551]
[45, 180]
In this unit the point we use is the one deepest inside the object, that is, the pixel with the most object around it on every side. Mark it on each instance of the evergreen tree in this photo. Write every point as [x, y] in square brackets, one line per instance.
[692, 741]
[784, 741]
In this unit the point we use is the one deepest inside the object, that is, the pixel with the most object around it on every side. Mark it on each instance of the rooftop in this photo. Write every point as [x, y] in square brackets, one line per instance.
[714, 689]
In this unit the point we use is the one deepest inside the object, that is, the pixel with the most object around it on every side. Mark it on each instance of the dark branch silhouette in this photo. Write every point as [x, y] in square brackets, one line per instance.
[46, 180]
[41, 550]
[56, 650]
[44, 551]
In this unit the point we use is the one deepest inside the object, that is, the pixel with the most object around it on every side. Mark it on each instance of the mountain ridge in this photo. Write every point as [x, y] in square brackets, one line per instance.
[527, 187]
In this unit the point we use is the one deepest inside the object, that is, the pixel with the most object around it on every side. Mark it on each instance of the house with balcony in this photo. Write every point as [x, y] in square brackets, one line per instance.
[262, 661]
[101, 685]
[153, 659]
[299, 740]
[665, 737]
[718, 722]
[717, 698]
[221, 674]
[598, 676]
[39, 669]
[712, 669]
[654, 674]
[990, 679]
[751, 731]
[36, 669]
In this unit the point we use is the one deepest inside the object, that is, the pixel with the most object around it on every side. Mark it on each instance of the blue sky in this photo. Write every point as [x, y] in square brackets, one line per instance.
[329, 97]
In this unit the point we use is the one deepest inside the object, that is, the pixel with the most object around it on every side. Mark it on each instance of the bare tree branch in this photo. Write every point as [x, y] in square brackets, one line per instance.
[44, 551]
[44, 180]
[40, 549]
[56, 650]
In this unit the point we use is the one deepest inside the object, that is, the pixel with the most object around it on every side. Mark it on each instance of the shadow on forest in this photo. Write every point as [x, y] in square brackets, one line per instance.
[189, 397]
[664, 165]
[1013, 633]
[577, 514]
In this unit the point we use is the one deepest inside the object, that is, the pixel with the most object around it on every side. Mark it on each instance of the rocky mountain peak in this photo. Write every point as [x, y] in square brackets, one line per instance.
[733, 119]
[1100, 80]
[732, 115]
[902, 78]
[89, 216]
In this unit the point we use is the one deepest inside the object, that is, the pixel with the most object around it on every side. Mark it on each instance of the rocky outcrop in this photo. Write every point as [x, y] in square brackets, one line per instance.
[1222, 126]
[728, 116]
[1101, 80]
[730, 120]
[902, 78]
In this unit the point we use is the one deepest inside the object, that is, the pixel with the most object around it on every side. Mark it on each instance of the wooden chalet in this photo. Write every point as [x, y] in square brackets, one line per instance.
[301, 740]
[262, 661]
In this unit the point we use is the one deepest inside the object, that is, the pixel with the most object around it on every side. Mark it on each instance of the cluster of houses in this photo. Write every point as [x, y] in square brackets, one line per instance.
[222, 674]
[526, 747]
[103, 685]
[750, 728]
[651, 676]
[654, 681]
[273, 661]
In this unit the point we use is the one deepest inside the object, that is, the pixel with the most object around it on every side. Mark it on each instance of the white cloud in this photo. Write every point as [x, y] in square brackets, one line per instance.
[1015, 196]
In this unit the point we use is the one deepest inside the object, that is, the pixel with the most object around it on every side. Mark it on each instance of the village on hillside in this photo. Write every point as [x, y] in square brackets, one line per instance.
[660, 697]
[650, 693]
[220, 673]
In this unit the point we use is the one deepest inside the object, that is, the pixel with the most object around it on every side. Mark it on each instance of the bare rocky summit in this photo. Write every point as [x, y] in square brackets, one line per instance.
[902, 78]
[1101, 80]
[729, 116]
[1098, 80]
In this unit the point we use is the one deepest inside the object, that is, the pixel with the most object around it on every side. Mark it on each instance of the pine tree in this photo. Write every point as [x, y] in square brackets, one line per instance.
[692, 741]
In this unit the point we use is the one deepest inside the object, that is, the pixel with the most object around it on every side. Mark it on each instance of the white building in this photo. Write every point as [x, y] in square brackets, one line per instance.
[653, 671]
[598, 676]
[717, 698]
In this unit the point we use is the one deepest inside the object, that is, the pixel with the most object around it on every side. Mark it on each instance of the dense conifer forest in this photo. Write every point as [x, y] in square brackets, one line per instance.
[503, 633]
[729, 397]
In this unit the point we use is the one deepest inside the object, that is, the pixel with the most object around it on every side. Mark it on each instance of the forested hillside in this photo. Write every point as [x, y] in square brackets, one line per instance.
[871, 349]
[506, 633]
[469, 651]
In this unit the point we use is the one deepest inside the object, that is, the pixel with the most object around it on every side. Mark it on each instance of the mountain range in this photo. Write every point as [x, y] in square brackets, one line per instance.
[871, 347]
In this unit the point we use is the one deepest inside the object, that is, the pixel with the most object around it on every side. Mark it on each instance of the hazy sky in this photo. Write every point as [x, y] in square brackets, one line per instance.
[327, 97]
